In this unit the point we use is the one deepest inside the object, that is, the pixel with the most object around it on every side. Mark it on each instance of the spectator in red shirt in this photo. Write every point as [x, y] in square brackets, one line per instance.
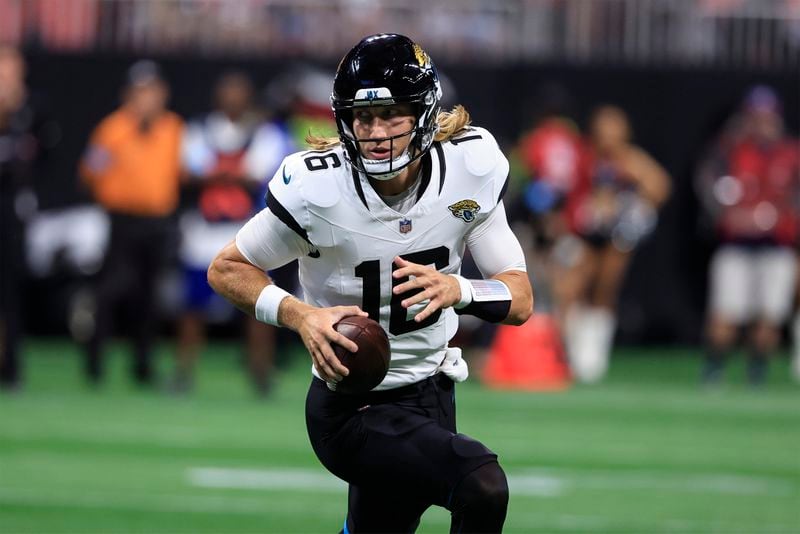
[751, 182]
[552, 157]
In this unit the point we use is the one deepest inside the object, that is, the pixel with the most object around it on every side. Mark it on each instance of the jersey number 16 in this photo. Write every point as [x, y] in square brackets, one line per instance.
[399, 323]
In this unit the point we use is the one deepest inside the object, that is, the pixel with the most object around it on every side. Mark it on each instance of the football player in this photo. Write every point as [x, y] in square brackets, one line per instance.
[379, 219]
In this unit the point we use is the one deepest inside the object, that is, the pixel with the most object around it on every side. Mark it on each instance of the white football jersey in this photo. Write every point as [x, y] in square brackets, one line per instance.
[347, 237]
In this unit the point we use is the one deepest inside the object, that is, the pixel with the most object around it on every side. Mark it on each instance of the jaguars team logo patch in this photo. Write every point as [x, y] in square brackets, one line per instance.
[419, 53]
[405, 226]
[466, 210]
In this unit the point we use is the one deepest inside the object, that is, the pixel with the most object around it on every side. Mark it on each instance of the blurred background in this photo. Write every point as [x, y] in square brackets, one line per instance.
[655, 186]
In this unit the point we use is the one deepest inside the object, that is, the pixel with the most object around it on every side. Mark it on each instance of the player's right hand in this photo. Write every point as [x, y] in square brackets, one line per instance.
[317, 332]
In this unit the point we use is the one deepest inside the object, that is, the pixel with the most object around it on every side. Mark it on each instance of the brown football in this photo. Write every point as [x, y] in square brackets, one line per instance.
[368, 366]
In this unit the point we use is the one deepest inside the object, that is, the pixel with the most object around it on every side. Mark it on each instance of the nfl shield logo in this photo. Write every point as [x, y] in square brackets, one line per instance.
[405, 226]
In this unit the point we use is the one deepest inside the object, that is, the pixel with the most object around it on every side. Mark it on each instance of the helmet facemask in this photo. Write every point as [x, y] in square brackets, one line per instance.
[420, 135]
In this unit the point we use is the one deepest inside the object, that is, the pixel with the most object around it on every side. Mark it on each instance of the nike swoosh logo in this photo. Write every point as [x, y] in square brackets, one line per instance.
[286, 179]
[314, 254]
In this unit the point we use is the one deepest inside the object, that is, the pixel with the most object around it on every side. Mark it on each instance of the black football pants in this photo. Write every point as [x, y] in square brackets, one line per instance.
[400, 453]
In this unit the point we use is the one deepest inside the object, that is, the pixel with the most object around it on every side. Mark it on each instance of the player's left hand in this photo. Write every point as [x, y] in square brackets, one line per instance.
[441, 290]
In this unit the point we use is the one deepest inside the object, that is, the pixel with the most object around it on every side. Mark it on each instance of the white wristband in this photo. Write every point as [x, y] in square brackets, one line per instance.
[466, 292]
[268, 302]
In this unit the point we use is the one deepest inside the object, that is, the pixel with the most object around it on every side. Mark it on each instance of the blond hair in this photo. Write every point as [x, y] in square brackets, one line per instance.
[451, 123]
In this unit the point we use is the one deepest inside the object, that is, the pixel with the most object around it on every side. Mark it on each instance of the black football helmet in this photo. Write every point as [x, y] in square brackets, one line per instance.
[387, 69]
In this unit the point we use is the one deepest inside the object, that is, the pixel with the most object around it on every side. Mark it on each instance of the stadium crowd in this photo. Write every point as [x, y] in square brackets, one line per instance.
[746, 32]
[175, 190]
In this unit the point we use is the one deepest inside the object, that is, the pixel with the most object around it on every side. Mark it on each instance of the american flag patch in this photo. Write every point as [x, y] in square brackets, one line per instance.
[489, 290]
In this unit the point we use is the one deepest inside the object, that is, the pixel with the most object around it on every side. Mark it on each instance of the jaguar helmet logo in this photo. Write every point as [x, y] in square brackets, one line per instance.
[421, 55]
[466, 210]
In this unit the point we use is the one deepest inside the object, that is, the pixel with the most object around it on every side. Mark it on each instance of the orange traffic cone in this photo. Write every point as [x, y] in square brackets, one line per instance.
[528, 357]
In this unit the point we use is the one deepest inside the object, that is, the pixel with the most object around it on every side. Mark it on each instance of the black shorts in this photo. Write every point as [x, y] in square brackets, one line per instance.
[398, 450]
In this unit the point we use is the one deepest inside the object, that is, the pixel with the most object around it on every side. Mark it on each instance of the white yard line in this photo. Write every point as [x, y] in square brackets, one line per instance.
[632, 480]
[533, 483]
[302, 479]
[121, 500]
[282, 479]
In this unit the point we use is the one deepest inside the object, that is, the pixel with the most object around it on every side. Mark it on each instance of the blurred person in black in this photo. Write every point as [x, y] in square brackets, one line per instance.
[132, 166]
[612, 208]
[749, 184]
[229, 154]
[25, 136]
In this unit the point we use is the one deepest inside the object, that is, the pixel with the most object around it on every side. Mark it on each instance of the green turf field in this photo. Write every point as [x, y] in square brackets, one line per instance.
[647, 451]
